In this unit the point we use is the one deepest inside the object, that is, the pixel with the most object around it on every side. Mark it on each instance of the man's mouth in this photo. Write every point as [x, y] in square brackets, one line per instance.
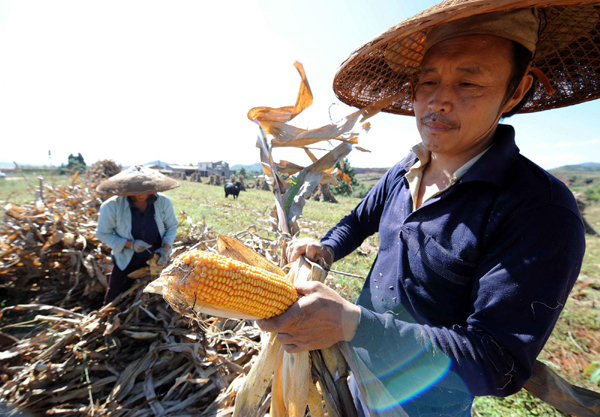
[438, 126]
[438, 123]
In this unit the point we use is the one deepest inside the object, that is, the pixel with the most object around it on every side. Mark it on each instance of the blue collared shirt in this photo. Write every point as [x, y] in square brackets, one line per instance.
[466, 289]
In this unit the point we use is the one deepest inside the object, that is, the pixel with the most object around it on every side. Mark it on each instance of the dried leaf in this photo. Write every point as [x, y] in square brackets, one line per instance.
[237, 250]
[127, 378]
[249, 397]
[288, 168]
[140, 335]
[307, 180]
[53, 239]
[112, 326]
[284, 114]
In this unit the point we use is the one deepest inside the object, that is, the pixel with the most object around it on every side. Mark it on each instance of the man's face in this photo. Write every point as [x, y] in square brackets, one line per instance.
[460, 93]
[140, 198]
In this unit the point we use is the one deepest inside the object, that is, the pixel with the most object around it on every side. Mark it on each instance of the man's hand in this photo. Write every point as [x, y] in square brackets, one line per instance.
[311, 248]
[139, 245]
[164, 253]
[318, 320]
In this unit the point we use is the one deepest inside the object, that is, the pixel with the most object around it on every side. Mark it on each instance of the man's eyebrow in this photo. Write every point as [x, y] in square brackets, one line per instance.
[475, 70]
[471, 70]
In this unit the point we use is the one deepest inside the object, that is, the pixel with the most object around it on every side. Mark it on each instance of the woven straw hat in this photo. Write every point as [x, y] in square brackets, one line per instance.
[567, 53]
[137, 180]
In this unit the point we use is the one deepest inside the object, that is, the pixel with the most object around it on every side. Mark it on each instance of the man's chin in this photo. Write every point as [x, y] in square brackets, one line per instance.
[433, 143]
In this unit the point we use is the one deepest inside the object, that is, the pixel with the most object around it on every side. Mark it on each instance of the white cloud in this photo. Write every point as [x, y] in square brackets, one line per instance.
[590, 142]
[563, 158]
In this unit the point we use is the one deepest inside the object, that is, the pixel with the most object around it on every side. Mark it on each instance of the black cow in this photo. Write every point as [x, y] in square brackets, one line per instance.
[233, 189]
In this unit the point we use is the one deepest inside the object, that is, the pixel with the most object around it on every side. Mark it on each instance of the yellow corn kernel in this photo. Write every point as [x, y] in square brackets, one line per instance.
[233, 285]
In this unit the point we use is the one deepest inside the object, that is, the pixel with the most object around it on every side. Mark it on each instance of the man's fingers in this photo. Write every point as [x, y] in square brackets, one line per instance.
[310, 247]
[313, 252]
[288, 343]
[278, 323]
[307, 287]
[285, 338]
[267, 325]
[296, 251]
[292, 348]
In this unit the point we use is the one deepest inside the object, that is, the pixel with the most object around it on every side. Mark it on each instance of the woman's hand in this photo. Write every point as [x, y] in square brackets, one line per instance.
[318, 320]
[311, 248]
[139, 245]
[163, 255]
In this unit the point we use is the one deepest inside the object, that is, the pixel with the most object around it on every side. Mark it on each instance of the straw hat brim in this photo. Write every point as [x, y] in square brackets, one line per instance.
[137, 180]
[568, 53]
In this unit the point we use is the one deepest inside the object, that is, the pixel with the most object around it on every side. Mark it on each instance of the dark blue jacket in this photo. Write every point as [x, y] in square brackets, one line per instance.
[465, 290]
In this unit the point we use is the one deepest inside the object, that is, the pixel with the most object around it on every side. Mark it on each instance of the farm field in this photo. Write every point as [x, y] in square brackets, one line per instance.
[572, 348]
[369, 176]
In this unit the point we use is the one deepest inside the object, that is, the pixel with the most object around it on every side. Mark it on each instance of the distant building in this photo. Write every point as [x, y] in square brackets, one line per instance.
[186, 169]
[206, 169]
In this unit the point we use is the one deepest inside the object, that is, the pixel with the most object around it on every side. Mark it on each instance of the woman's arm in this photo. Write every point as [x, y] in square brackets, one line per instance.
[169, 219]
[107, 225]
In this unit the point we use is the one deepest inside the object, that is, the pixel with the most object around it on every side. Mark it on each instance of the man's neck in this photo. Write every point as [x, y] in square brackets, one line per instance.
[447, 164]
[441, 168]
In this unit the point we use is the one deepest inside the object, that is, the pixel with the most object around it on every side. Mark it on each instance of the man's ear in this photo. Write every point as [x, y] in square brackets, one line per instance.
[522, 89]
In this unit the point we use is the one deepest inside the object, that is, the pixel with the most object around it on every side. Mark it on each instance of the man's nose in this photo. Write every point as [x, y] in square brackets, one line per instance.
[441, 99]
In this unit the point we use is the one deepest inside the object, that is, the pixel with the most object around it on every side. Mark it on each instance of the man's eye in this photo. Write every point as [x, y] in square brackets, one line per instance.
[427, 82]
[468, 85]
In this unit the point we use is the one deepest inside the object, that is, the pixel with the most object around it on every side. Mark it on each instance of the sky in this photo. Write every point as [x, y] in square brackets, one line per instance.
[141, 80]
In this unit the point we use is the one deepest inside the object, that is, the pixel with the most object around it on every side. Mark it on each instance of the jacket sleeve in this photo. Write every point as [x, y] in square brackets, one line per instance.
[521, 285]
[363, 220]
[107, 225]
[169, 219]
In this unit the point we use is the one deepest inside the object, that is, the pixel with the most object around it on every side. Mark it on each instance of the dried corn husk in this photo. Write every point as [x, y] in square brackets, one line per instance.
[291, 372]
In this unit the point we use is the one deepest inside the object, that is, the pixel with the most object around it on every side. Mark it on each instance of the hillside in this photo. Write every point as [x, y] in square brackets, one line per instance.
[250, 168]
[378, 171]
[585, 167]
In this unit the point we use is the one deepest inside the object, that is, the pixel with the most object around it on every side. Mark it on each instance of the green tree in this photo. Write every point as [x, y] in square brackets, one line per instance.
[342, 187]
[242, 171]
[74, 164]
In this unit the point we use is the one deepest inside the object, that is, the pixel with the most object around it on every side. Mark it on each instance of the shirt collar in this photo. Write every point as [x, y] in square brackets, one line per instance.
[495, 164]
[492, 166]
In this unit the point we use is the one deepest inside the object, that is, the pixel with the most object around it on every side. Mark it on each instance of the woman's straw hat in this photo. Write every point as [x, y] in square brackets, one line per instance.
[567, 53]
[137, 180]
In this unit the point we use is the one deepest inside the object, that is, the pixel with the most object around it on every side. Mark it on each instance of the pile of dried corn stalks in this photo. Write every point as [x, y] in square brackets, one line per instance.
[61, 354]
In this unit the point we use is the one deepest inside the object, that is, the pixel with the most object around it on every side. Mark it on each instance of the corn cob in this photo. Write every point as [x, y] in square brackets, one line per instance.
[204, 278]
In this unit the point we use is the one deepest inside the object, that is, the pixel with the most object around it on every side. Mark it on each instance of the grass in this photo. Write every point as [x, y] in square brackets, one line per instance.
[369, 178]
[18, 189]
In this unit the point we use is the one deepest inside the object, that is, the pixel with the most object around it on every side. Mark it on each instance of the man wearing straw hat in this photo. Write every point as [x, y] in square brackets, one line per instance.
[136, 223]
[479, 247]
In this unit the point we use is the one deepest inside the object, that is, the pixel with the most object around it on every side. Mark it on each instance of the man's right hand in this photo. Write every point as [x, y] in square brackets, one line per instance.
[139, 245]
[311, 248]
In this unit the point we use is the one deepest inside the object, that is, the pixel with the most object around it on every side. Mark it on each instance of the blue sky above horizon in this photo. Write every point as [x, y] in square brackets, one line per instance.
[136, 81]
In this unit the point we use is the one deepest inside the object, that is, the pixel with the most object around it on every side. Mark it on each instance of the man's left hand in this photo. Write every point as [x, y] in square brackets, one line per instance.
[318, 320]
[164, 254]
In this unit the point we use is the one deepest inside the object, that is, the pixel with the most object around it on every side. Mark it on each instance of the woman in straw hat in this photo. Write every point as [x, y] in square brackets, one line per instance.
[137, 222]
[479, 247]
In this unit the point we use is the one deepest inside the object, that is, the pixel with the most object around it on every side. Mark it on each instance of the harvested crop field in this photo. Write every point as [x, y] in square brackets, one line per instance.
[62, 354]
